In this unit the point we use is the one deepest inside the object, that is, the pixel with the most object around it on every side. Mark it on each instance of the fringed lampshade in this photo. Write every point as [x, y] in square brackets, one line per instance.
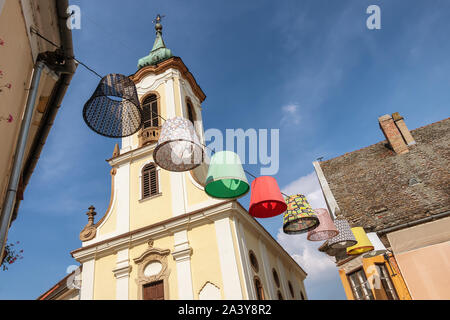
[266, 199]
[345, 237]
[299, 217]
[326, 229]
[114, 110]
[226, 178]
[363, 243]
[378, 246]
[179, 148]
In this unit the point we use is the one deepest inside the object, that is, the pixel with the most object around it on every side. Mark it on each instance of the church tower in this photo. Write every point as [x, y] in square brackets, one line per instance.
[162, 236]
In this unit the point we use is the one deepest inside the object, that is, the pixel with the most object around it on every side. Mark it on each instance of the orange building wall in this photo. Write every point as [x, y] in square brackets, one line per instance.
[368, 266]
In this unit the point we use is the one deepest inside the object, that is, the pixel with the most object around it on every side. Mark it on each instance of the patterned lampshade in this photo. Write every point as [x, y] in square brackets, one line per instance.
[363, 243]
[114, 110]
[266, 199]
[326, 229]
[345, 237]
[299, 217]
[179, 148]
[226, 178]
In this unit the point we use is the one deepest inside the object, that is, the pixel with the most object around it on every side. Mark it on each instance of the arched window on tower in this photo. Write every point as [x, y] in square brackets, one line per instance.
[150, 185]
[190, 111]
[150, 114]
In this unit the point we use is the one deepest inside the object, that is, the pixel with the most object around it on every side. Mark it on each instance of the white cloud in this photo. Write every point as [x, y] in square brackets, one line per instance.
[290, 114]
[309, 186]
[317, 264]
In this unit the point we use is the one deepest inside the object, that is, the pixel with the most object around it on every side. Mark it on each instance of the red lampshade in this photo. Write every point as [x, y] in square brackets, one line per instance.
[266, 199]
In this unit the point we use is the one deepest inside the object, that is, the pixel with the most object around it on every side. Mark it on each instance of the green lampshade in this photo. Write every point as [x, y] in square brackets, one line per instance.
[226, 178]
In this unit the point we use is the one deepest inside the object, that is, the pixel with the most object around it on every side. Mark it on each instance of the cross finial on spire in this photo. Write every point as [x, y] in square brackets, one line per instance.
[158, 18]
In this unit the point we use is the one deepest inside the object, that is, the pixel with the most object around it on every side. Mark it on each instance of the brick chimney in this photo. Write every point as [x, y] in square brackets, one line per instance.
[392, 134]
[401, 125]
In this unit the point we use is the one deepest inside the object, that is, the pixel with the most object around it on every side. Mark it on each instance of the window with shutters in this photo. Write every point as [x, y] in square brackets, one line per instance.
[386, 282]
[150, 184]
[360, 286]
[150, 114]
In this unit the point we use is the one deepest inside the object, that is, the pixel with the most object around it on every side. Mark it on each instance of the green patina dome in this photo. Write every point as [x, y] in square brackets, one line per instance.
[159, 52]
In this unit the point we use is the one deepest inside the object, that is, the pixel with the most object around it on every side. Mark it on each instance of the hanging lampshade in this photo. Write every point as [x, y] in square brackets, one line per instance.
[345, 237]
[363, 243]
[226, 178]
[326, 229]
[378, 246]
[266, 199]
[299, 217]
[179, 148]
[114, 110]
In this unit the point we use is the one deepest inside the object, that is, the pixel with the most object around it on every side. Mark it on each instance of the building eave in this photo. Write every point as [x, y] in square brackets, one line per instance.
[55, 101]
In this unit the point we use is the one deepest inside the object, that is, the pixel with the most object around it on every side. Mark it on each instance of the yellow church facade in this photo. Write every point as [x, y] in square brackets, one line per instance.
[162, 237]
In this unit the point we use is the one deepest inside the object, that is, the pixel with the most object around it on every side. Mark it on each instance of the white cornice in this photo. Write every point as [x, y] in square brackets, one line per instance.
[115, 244]
[122, 272]
[131, 155]
[182, 255]
[182, 223]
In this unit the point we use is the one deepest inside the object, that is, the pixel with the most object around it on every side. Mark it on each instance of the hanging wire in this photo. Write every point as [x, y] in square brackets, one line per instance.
[33, 30]
[213, 152]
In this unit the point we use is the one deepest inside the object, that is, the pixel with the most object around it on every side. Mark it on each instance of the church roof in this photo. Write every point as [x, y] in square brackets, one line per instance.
[159, 51]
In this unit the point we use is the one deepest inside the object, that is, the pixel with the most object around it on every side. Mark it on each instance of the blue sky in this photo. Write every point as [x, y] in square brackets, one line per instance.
[310, 68]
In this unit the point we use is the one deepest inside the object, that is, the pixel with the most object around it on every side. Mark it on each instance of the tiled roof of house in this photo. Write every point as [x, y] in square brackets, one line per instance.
[377, 188]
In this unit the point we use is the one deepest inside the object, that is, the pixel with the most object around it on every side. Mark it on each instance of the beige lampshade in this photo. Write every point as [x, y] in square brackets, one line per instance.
[179, 148]
[326, 229]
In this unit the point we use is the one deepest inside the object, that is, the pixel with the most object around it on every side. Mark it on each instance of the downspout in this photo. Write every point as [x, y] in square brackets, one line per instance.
[66, 75]
[55, 102]
[8, 208]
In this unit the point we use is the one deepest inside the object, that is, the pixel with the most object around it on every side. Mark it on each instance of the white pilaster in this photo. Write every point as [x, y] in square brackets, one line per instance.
[182, 256]
[170, 98]
[177, 187]
[267, 271]
[283, 280]
[127, 144]
[123, 198]
[228, 265]
[122, 274]
[87, 280]
[246, 268]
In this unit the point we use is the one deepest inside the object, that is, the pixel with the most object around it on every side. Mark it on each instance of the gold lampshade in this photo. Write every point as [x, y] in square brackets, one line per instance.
[363, 243]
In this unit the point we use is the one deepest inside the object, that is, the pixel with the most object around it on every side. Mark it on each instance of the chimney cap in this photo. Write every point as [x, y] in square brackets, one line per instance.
[384, 118]
[396, 116]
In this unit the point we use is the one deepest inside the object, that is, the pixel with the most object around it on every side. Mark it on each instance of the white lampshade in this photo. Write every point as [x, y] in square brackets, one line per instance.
[379, 247]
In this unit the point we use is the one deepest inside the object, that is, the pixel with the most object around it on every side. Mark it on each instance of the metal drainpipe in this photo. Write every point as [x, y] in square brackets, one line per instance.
[10, 199]
[414, 223]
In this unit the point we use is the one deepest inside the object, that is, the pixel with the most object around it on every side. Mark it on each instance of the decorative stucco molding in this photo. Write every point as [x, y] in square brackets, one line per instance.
[148, 256]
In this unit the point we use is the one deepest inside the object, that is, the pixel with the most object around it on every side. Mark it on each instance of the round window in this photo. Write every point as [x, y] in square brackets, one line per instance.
[152, 269]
